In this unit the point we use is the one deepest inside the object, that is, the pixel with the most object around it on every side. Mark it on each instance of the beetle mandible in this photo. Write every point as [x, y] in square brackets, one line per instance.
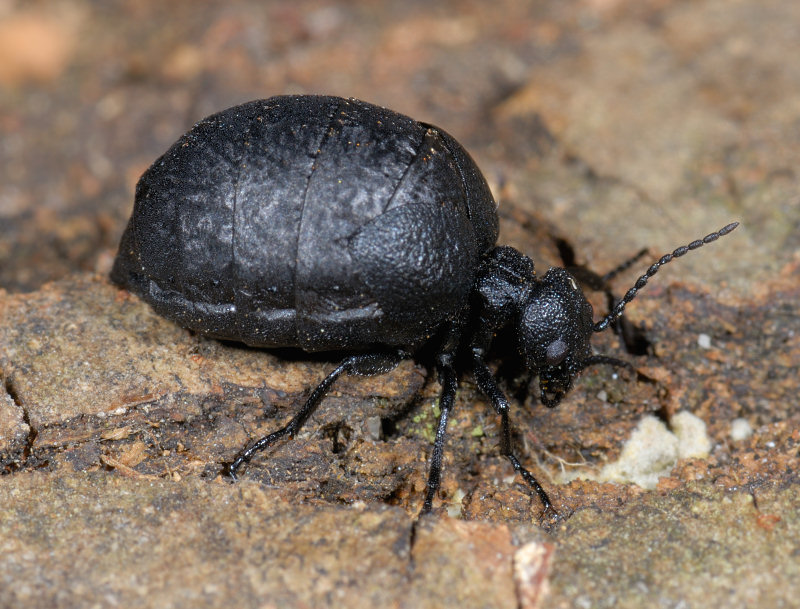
[333, 224]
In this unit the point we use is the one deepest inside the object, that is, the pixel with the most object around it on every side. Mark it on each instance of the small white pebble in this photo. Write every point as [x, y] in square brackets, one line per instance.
[454, 505]
[649, 454]
[740, 429]
[692, 433]
[704, 341]
[372, 427]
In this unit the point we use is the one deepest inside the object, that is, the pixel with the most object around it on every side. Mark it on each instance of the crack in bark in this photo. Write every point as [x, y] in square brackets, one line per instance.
[12, 392]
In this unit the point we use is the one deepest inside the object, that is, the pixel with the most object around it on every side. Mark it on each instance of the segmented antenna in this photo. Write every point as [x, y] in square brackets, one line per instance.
[642, 281]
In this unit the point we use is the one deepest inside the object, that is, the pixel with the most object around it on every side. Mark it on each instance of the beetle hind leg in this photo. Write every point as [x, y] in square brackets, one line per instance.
[364, 364]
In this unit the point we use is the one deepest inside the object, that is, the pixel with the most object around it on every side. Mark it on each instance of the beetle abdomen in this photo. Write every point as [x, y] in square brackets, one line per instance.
[307, 221]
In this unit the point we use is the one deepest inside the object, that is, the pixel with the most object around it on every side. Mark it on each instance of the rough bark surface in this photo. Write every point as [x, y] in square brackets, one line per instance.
[607, 125]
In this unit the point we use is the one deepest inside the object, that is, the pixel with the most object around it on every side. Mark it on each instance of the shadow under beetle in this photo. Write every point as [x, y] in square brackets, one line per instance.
[332, 224]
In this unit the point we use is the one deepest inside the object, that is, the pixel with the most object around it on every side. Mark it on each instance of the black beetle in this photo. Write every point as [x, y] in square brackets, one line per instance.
[332, 224]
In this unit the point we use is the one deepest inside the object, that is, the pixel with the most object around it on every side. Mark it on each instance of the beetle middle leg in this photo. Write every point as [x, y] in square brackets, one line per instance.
[449, 381]
[488, 385]
[364, 364]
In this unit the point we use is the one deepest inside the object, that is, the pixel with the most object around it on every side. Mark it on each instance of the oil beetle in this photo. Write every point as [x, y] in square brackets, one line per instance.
[332, 224]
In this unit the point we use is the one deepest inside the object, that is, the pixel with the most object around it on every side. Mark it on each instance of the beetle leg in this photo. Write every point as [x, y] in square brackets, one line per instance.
[365, 364]
[487, 383]
[449, 382]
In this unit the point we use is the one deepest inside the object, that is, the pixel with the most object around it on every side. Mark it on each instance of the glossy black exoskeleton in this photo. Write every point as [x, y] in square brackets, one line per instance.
[331, 224]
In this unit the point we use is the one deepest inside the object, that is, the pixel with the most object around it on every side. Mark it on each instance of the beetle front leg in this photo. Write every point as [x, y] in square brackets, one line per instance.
[488, 385]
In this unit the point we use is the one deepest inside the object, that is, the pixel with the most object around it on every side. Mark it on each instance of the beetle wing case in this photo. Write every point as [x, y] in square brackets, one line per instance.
[309, 221]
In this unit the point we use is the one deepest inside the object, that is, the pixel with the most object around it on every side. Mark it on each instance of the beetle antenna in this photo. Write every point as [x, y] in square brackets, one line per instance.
[642, 281]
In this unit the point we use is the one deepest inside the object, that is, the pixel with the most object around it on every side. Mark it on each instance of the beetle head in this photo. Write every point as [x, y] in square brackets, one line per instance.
[555, 325]
[555, 330]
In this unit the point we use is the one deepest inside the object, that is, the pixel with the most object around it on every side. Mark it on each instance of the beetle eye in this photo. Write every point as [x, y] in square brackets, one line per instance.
[556, 352]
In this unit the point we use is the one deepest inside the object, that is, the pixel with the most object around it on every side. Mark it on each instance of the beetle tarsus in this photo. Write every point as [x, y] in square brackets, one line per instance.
[533, 482]
[261, 444]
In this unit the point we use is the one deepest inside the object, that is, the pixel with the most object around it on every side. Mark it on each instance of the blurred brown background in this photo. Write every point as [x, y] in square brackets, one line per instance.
[688, 109]
[613, 124]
